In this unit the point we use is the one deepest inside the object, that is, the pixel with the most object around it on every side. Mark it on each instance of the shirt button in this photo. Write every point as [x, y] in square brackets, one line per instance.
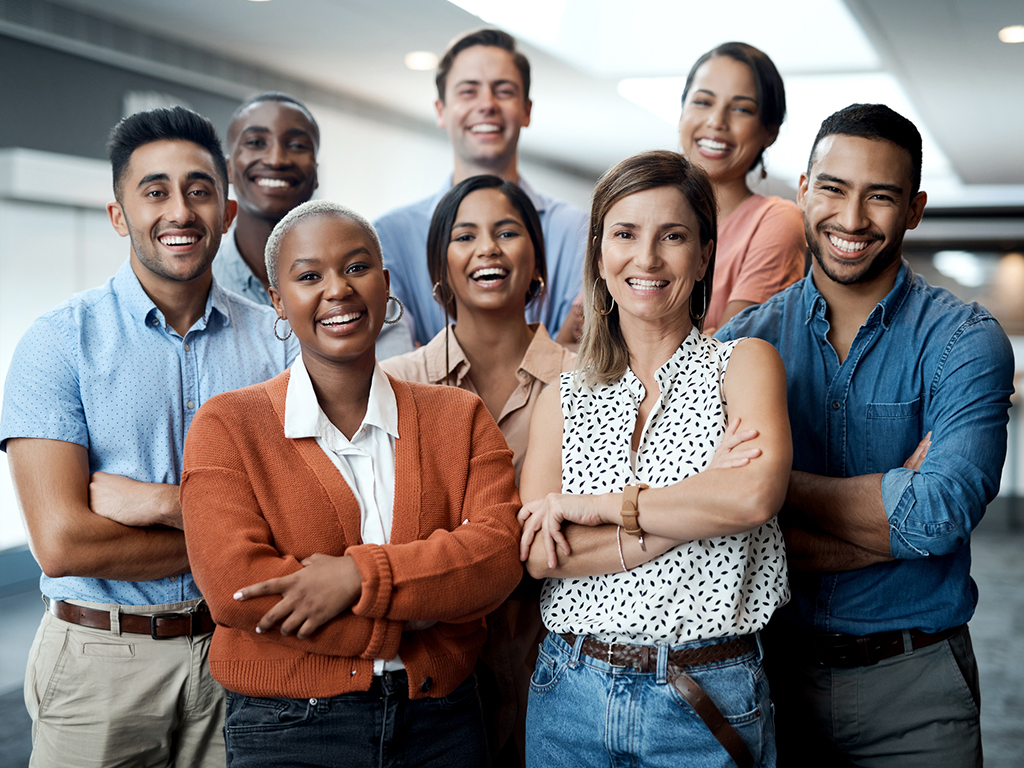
[427, 685]
[174, 578]
[187, 347]
[156, 321]
[835, 405]
[353, 673]
[190, 405]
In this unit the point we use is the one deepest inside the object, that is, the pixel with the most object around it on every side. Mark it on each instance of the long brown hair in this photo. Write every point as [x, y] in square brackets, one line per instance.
[603, 354]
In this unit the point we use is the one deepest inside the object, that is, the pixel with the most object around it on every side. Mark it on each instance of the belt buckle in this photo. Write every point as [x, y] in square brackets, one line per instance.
[167, 616]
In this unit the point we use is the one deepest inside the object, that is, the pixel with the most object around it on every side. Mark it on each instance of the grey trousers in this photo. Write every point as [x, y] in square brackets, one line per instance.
[917, 709]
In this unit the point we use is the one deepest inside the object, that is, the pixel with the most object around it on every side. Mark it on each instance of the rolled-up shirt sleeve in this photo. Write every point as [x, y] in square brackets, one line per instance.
[933, 511]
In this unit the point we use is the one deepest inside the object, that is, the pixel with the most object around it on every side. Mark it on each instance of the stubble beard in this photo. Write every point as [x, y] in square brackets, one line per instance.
[867, 272]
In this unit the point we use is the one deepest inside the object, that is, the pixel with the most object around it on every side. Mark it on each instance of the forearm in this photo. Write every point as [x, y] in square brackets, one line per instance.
[594, 551]
[848, 508]
[102, 549]
[818, 551]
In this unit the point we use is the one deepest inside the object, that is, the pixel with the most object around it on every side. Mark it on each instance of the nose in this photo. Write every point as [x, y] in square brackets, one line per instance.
[718, 116]
[336, 285]
[486, 101]
[180, 211]
[852, 215]
[487, 244]
[648, 255]
[277, 155]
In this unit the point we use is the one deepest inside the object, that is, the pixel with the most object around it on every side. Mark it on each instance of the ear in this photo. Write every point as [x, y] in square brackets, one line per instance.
[230, 211]
[316, 177]
[387, 280]
[231, 170]
[916, 209]
[439, 109]
[705, 259]
[771, 136]
[600, 261]
[527, 111]
[117, 218]
[275, 298]
[801, 192]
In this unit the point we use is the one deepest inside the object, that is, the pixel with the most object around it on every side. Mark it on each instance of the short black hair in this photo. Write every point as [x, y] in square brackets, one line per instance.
[440, 234]
[768, 85]
[174, 124]
[284, 98]
[495, 38]
[879, 123]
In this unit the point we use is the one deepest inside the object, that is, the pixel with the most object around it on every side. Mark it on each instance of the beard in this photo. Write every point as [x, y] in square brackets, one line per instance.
[865, 272]
[150, 257]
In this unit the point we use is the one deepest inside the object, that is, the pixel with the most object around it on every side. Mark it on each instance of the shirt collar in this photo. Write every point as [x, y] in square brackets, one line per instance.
[302, 412]
[457, 362]
[539, 201]
[542, 361]
[543, 358]
[886, 310]
[131, 293]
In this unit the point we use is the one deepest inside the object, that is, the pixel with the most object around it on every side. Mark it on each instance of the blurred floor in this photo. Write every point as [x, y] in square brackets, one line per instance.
[997, 630]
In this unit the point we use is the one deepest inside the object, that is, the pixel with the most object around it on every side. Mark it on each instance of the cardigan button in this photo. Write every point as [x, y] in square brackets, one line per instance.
[427, 685]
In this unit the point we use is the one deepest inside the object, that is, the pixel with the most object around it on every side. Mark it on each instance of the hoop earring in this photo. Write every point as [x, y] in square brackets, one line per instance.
[764, 165]
[540, 291]
[603, 312]
[277, 335]
[704, 300]
[401, 309]
[438, 287]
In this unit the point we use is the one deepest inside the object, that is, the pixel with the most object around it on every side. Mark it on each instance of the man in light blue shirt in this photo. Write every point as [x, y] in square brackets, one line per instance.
[273, 140]
[483, 100]
[898, 397]
[99, 397]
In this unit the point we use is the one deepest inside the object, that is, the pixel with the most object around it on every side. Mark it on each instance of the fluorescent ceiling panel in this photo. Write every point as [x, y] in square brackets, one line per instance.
[608, 38]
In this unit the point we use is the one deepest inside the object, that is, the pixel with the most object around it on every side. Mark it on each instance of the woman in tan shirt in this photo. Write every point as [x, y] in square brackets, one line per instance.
[485, 252]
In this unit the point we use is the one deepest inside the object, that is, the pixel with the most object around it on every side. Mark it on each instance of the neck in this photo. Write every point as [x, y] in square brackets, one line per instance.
[182, 303]
[730, 195]
[507, 169]
[491, 340]
[651, 346]
[850, 305]
[251, 235]
[342, 389]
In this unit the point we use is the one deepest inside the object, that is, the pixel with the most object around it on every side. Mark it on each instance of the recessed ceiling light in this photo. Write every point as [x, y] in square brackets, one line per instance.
[1014, 34]
[259, 1]
[421, 60]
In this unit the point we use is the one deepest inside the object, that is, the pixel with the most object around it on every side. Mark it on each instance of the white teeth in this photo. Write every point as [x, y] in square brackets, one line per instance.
[276, 183]
[488, 272]
[847, 245]
[485, 128]
[646, 285]
[175, 240]
[342, 319]
[711, 145]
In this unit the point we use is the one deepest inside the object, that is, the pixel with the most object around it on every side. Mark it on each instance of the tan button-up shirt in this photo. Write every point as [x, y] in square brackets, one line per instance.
[543, 362]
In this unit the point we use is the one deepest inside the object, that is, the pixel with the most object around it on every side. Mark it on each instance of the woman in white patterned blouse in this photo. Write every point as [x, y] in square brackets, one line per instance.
[650, 514]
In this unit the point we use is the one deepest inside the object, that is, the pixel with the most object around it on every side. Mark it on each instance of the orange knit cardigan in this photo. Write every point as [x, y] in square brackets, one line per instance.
[256, 503]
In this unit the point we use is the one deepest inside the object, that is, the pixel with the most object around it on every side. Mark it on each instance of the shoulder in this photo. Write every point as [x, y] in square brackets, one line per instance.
[946, 318]
[412, 366]
[434, 402]
[766, 321]
[404, 216]
[245, 408]
[777, 219]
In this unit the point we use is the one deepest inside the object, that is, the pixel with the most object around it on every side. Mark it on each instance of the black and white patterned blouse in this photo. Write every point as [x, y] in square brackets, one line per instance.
[698, 590]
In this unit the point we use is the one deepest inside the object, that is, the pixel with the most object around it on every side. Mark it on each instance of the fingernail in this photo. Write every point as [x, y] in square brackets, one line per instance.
[237, 595]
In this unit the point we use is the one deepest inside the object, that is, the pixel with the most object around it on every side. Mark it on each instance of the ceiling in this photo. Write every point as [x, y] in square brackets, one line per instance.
[963, 87]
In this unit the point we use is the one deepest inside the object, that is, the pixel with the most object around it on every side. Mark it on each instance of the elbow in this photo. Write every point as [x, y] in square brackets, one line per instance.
[59, 559]
[761, 504]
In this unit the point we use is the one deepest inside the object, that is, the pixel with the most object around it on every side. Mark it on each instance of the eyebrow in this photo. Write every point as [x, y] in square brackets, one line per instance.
[734, 98]
[261, 129]
[494, 83]
[896, 189]
[362, 249]
[192, 176]
[631, 225]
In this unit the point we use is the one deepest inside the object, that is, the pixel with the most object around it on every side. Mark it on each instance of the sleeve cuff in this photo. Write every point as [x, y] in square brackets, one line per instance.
[375, 569]
[899, 499]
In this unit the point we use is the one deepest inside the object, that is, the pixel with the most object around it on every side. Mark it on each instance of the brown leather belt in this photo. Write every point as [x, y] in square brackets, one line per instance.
[644, 658]
[159, 626]
[847, 651]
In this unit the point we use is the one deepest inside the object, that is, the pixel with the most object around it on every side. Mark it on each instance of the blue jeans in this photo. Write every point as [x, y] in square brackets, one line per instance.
[584, 712]
[381, 728]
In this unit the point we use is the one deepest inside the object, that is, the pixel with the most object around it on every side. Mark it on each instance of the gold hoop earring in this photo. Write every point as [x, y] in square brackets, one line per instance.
[401, 309]
[277, 335]
[439, 288]
[603, 312]
[536, 294]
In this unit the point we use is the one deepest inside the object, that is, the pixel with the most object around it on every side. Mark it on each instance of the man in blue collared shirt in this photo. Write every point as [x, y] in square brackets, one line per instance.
[273, 140]
[483, 100]
[100, 394]
[898, 398]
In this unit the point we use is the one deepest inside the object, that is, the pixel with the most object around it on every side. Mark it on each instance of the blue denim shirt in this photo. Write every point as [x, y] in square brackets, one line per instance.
[403, 236]
[104, 370]
[922, 361]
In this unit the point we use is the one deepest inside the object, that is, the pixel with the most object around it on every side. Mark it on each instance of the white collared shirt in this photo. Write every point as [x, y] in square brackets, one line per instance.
[366, 462]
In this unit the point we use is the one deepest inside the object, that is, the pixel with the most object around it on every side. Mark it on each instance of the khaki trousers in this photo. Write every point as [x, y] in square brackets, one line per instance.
[98, 698]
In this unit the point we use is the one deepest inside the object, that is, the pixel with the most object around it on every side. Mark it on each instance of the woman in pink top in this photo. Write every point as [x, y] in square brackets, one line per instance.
[734, 103]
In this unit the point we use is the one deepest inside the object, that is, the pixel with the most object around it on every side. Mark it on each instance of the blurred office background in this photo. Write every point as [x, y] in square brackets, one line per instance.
[607, 78]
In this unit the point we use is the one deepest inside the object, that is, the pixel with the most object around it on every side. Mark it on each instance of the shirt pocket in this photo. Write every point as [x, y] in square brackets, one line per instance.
[893, 431]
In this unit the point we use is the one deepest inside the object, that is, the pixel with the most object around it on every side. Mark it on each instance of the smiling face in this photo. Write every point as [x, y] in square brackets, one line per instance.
[332, 289]
[484, 108]
[651, 256]
[491, 260]
[857, 207]
[720, 127]
[173, 208]
[272, 161]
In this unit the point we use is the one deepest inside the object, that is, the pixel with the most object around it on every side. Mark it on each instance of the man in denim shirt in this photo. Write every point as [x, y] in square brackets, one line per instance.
[898, 398]
[100, 394]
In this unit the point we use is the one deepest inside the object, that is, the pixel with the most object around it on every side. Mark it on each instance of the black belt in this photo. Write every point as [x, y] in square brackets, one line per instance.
[159, 626]
[835, 650]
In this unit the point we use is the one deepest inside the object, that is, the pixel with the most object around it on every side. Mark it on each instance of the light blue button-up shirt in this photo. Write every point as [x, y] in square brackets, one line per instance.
[403, 236]
[922, 361]
[104, 370]
[231, 271]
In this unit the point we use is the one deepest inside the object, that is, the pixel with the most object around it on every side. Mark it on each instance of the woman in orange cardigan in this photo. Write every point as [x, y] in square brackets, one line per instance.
[374, 519]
